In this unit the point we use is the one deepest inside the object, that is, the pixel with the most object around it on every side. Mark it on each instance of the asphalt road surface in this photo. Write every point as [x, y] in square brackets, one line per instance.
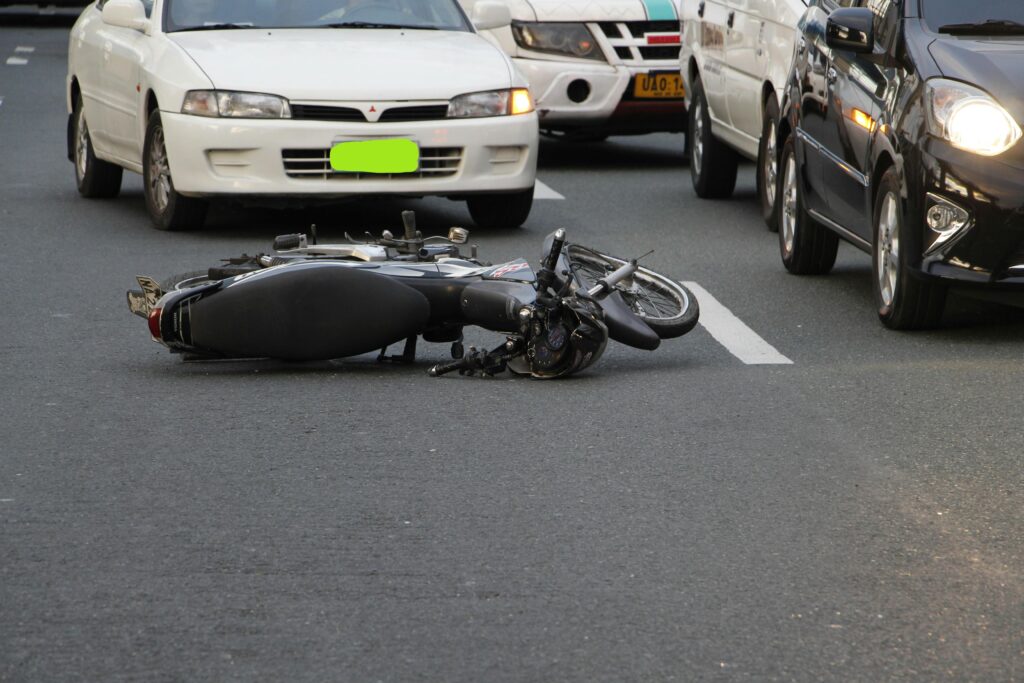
[790, 492]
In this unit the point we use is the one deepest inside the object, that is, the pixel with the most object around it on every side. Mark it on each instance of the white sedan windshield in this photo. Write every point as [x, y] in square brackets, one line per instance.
[197, 15]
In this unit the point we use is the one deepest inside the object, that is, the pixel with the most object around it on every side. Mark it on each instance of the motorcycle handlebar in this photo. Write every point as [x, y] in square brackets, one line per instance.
[607, 283]
[556, 250]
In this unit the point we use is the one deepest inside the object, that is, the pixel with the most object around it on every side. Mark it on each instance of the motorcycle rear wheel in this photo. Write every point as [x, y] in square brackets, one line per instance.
[181, 281]
[667, 306]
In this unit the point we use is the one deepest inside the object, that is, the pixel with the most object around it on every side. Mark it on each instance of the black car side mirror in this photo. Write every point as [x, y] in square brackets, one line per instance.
[851, 28]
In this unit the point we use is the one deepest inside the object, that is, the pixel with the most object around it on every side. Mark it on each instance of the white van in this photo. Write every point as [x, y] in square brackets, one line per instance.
[597, 67]
[735, 59]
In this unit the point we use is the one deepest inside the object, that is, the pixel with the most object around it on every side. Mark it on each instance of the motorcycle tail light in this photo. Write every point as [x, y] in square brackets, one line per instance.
[154, 323]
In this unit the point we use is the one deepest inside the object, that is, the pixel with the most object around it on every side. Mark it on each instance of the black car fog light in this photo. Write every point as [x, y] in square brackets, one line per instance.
[945, 219]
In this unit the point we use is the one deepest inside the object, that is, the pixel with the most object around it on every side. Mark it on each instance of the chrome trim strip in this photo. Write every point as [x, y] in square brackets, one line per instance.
[862, 179]
[856, 240]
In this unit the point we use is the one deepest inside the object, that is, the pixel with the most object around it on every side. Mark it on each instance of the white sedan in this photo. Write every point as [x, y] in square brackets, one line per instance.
[272, 101]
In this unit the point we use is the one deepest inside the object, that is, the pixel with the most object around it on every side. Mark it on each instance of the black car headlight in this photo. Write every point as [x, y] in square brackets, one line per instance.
[969, 118]
[571, 40]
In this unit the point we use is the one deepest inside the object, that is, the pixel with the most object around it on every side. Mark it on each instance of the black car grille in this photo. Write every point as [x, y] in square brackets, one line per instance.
[315, 164]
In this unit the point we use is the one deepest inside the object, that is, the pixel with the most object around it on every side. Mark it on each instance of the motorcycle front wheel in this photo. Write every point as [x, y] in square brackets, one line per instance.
[667, 306]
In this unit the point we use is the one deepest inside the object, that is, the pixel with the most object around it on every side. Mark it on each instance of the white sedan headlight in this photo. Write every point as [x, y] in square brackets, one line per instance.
[239, 105]
[969, 118]
[491, 103]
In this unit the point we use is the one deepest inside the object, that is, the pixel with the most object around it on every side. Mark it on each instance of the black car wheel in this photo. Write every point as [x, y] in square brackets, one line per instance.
[168, 209]
[806, 246]
[905, 301]
[712, 163]
[96, 179]
[768, 165]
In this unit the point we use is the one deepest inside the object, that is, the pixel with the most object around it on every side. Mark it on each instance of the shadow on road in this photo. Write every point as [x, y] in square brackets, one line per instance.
[623, 153]
[965, 315]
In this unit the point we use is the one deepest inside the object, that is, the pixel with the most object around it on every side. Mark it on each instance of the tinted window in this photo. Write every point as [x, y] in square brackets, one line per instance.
[938, 13]
[191, 14]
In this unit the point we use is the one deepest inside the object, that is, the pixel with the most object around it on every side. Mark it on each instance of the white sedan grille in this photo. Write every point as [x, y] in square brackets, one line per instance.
[315, 164]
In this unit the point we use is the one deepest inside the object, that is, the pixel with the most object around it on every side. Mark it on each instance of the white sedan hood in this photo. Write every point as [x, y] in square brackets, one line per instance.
[348, 64]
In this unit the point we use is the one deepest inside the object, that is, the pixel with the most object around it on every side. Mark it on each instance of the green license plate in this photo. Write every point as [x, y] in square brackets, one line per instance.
[386, 155]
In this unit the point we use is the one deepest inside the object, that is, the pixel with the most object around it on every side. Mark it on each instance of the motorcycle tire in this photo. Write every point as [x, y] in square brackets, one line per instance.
[180, 281]
[666, 306]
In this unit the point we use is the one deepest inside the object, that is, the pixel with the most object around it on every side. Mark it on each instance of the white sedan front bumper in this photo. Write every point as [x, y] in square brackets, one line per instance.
[290, 158]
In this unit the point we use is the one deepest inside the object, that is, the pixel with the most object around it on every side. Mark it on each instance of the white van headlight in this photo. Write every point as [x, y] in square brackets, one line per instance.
[239, 105]
[491, 103]
[570, 39]
[969, 118]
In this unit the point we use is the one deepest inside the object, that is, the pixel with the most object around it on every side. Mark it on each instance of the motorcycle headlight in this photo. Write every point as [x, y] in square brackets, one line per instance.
[969, 118]
[239, 105]
[573, 40]
[491, 103]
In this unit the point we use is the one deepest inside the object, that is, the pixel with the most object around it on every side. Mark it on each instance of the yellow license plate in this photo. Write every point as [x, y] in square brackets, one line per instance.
[659, 86]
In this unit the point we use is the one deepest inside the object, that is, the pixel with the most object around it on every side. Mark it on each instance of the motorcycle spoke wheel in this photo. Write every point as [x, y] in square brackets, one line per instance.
[668, 307]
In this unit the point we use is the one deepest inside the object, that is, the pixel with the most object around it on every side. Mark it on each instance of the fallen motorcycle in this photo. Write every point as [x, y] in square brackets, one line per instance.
[307, 301]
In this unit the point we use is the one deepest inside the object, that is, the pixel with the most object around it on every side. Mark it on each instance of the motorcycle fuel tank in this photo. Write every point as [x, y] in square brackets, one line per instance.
[307, 311]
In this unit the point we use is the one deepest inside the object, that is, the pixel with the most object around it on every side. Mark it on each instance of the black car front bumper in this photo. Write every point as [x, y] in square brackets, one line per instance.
[989, 250]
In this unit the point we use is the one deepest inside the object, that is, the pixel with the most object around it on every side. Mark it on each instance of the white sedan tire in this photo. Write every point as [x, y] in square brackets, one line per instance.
[501, 210]
[168, 209]
[96, 179]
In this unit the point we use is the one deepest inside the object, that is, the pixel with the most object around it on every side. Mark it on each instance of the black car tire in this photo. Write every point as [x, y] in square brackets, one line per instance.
[906, 301]
[806, 246]
[713, 164]
[96, 179]
[501, 210]
[768, 165]
[168, 209]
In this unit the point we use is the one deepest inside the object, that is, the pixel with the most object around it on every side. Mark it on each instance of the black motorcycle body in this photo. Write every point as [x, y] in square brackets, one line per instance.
[310, 303]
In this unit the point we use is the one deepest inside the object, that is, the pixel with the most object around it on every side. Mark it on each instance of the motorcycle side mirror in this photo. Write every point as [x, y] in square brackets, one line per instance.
[458, 235]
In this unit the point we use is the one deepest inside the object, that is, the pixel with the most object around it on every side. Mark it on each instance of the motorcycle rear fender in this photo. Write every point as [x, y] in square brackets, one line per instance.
[307, 311]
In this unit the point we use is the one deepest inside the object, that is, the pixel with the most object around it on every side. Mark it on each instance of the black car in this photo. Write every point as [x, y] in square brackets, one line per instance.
[902, 128]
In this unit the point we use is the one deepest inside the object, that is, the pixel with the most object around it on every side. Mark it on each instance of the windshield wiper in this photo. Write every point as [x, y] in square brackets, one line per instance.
[371, 24]
[216, 27]
[990, 27]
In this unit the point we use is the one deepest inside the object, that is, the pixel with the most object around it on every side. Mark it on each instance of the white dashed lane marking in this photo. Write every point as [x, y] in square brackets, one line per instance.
[733, 333]
[16, 61]
[25, 49]
[542, 191]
